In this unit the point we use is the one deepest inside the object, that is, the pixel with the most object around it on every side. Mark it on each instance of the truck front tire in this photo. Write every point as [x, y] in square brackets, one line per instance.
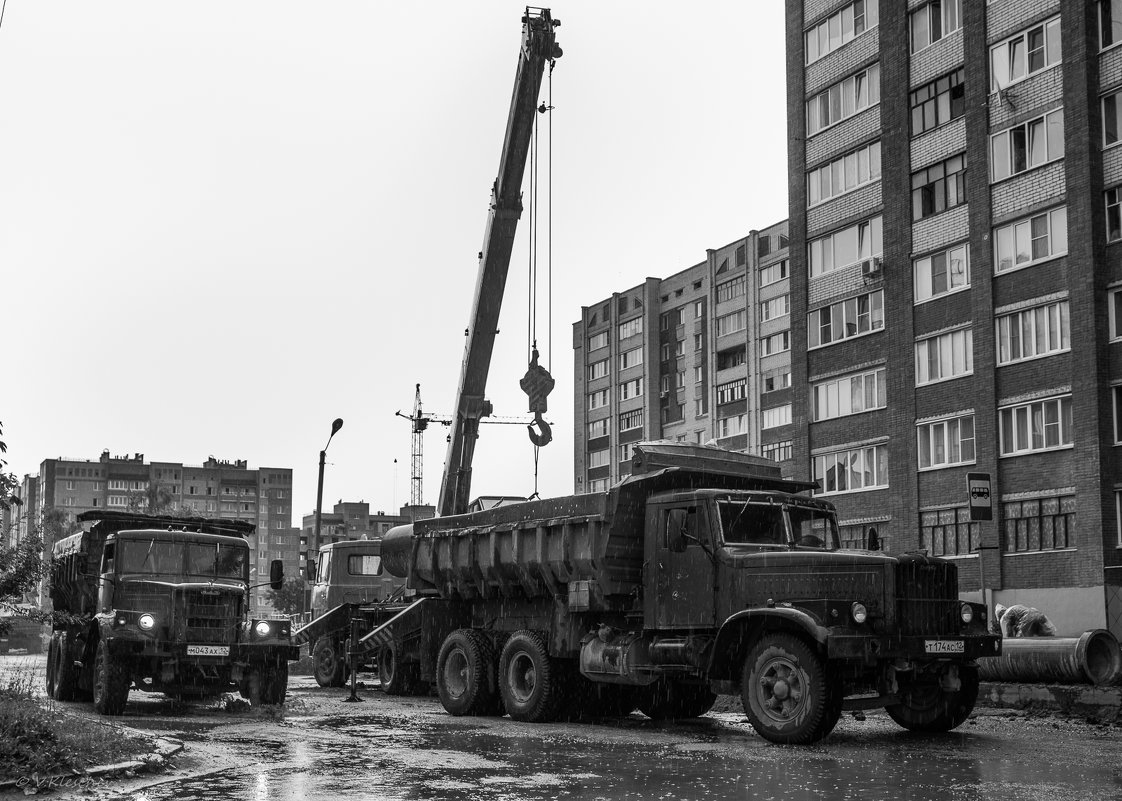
[786, 693]
[924, 705]
[267, 684]
[531, 681]
[465, 674]
[65, 685]
[111, 682]
[329, 664]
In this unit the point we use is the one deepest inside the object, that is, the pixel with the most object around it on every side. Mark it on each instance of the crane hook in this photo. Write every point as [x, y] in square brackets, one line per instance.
[538, 383]
[546, 433]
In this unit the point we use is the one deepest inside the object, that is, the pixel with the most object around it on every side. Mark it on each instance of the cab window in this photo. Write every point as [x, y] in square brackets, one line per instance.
[107, 557]
[323, 571]
[682, 525]
[752, 523]
[364, 565]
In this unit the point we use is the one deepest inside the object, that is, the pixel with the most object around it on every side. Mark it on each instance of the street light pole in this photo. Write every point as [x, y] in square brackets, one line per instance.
[335, 426]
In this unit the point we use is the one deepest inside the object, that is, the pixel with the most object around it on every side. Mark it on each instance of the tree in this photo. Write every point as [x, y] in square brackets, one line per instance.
[156, 499]
[288, 598]
[9, 484]
[21, 565]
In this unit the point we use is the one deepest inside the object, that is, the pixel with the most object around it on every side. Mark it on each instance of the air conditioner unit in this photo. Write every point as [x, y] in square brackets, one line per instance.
[871, 268]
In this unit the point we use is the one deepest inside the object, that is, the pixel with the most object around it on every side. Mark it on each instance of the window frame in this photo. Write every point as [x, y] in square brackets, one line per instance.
[1024, 132]
[955, 93]
[783, 267]
[928, 276]
[782, 412]
[944, 423]
[871, 229]
[968, 355]
[879, 482]
[1063, 315]
[1028, 406]
[874, 314]
[819, 175]
[944, 32]
[1011, 226]
[846, 104]
[880, 393]
[869, 8]
[1045, 26]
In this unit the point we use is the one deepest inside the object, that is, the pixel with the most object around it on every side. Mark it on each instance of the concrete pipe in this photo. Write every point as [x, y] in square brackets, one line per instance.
[1092, 658]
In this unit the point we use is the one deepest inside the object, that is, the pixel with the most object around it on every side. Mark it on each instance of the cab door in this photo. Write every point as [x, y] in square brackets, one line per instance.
[686, 574]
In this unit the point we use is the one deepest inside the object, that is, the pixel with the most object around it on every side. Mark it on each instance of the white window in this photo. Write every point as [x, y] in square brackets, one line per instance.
[944, 443]
[1115, 311]
[680, 347]
[595, 370]
[598, 485]
[843, 174]
[775, 417]
[630, 358]
[943, 357]
[1039, 426]
[1025, 54]
[934, 21]
[849, 470]
[846, 319]
[599, 398]
[630, 420]
[840, 28]
[1032, 333]
[631, 328]
[1116, 395]
[699, 309]
[731, 289]
[599, 458]
[942, 273]
[732, 391]
[776, 343]
[631, 389]
[851, 394]
[681, 382]
[776, 379]
[1112, 117]
[844, 99]
[117, 500]
[698, 374]
[1110, 29]
[846, 247]
[1028, 145]
[775, 308]
[1033, 239]
[731, 426]
[117, 484]
[698, 342]
[776, 451]
[731, 323]
[598, 341]
[626, 451]
[773, 272]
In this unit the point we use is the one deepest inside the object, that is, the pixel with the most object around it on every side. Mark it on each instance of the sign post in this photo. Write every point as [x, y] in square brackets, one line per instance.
[981, 501]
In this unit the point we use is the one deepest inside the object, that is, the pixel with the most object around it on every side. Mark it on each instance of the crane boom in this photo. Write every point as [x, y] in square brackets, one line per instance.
[539, 47]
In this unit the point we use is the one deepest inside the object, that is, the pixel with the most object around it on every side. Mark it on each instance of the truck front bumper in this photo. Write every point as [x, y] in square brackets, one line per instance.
[872, 648]
[203, 653]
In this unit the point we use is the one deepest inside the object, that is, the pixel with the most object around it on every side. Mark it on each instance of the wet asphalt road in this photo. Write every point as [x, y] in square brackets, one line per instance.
[393, 748]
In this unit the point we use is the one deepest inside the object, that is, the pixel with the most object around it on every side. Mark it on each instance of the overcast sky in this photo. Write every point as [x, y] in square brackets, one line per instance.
[225, 224]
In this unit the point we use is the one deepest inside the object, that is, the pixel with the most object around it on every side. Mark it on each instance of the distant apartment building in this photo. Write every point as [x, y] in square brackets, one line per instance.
[956, 287]
[353, 520]
[215, 488]
[701, 356]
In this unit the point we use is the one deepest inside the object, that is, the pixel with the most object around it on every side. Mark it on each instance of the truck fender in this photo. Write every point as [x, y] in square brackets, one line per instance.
[739, 631]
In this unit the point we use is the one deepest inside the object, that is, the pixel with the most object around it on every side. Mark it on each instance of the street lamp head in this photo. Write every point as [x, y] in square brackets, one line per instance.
[336, 426]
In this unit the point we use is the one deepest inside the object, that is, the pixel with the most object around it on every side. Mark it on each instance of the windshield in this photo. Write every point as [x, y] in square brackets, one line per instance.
[197, 559]
[814, 528]
[744, 522]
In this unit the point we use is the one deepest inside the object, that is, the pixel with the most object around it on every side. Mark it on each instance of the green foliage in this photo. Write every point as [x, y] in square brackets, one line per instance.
[288, 599]
[9, 484]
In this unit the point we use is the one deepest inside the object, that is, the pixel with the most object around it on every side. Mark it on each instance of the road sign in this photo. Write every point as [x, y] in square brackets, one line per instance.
[981, 502]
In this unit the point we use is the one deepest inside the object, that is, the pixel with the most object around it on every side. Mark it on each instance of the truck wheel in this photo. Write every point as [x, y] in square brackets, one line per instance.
[670, 700]
[52, 665]
[329, 663]
[925, 706]
[66, 675]
[396, 676]
[786, 693]
[531, 681]
[465, 674]
[111, 682]
[267, 684]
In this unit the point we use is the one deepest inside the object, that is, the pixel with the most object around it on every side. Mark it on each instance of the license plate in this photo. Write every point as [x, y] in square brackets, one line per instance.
[944, 646]
[208, 650]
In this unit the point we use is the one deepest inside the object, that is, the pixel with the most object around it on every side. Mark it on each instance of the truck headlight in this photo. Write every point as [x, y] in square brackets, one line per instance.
[858, 611]
[967, 613]
[262, 628]
[146, 621]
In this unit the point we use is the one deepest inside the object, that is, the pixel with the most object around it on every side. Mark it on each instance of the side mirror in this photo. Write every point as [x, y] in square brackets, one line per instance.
[873, 543]
[676, 530]
[276, 574]
[310, 569]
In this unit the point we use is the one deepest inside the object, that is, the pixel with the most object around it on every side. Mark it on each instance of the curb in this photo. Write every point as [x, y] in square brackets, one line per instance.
[165, 747]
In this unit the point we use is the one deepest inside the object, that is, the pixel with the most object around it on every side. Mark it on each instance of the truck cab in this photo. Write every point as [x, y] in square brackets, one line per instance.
[350, 572]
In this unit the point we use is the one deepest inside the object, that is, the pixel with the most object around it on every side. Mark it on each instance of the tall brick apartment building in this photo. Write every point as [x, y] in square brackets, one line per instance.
[955, 190]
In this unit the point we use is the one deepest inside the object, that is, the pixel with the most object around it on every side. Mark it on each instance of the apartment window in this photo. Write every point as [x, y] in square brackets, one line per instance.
[1112, 118]
[70, 485]
[1110, 27]
[763, 245]
[944, 443]
[1025, 54]
[664, 384]
[1115, 314]
[1116, 394]
[846, 319]
[776, 343]
[630, 420]
[664, 352]
[938, 102]
[949, 532]
[731, 426]
[1039, 426]
[699, 407]
[698, 309]
[732, 391]
[680, 347]
[626, 452]
[851, 394]
[670, 319]
[733, 288]
[598, 485]
[933, 21]
[727, 359]
[681, 382]
[844, 99]
[776, 379]
[943, 357]
[595, 370]
[939, 187]
[1027, 145]
[1025, 242]
[1113, 199]
[630, 358]
[631, 389]
[598, 428]
[942, 273]
[843, 174]
[840, 28]
[698, 342]
[731, 323]
[776, 451]
[1038, 524]
[775, 308]
[117, 500]
[698, 374]
[117, 484]
[631, 328]
[599, 458]
[597, 341]
[773, 272]
[1033, 333]
[775, 417]
[846, 247]
[850, 470]
[599, 399]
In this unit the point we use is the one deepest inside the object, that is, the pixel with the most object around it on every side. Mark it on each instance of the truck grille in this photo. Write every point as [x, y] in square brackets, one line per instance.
[209, 616]
[926, 596]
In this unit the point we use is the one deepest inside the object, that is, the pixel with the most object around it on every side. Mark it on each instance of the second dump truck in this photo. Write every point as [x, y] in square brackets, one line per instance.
[705, 572]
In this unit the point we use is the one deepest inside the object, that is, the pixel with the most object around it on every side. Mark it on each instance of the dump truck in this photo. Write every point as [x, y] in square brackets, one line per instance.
[160, 604]
[348, 583]
[704, 572]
